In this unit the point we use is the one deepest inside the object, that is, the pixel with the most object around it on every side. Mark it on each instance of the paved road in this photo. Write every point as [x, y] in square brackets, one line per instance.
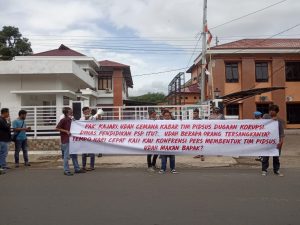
[232, 196]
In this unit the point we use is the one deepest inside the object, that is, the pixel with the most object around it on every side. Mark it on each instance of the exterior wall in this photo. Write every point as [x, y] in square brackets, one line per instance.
[293, 90]
[38, 100]
[278, 97]
[218, 75]
[186, 99]
[118, 87]
[105, 101]
[195, 74]
[276, 70]
[190, 99]
[8, 83]
[247, 78]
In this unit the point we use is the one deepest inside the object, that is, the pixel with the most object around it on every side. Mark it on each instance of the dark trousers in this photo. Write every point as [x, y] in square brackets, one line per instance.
[265, 163]
[164, 162]
[276, 163]
[92, 163]
[21, 145]
[151, 161]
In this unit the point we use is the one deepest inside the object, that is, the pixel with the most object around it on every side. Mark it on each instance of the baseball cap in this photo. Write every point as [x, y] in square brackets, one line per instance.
[257, 113]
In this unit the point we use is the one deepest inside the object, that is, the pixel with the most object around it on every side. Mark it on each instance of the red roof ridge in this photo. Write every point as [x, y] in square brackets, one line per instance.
[257, 43]
[63, 50]
[110, 63]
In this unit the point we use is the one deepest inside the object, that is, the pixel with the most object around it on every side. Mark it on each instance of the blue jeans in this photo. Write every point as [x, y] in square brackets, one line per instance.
[92, 163]
[21, 144]
[65, 148]
[3, 153]
[62, 152]
[164, 162]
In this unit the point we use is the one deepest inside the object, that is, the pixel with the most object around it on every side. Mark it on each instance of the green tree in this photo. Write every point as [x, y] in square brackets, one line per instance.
[12, 43]
[150, 97]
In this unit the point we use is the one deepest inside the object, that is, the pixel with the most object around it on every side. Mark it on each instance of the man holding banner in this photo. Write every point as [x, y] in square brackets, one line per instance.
[151, 159]
[167, 116]
[64, 128]
[87, 116]
[273, 111]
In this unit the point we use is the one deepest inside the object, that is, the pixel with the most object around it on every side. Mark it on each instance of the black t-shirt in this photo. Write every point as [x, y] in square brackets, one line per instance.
[5, 134]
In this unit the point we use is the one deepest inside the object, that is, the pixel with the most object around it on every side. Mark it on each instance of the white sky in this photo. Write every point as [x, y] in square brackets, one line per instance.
[118, 30]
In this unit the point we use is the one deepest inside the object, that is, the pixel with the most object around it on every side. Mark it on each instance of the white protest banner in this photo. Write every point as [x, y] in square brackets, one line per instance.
[194, 137]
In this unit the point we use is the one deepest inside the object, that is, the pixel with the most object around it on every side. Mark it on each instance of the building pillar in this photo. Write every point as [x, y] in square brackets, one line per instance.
[117, 87]
[278, 80]
[248, 82]
[117, 91]
[59, 102]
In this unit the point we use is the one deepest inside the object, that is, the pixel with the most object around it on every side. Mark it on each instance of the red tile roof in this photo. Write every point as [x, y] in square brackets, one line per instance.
[261, 44]
[61, 51]
[107, 63]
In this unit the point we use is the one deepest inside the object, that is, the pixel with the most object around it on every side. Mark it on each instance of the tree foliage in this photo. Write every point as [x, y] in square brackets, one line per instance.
[12, 43]
[150, 97]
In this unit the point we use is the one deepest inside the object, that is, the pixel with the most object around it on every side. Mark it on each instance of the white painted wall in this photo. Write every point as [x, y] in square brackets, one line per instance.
[105, 101]
[8, 83]
[46, 67]
[38, 99]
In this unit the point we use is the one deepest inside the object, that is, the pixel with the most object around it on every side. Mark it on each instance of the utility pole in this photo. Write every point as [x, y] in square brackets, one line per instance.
[217, 41]
[203, 58]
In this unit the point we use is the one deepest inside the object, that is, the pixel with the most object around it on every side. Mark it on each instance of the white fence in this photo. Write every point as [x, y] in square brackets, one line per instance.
[43, 119]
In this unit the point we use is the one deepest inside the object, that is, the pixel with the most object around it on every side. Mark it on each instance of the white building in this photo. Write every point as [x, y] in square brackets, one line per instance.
[53, 78]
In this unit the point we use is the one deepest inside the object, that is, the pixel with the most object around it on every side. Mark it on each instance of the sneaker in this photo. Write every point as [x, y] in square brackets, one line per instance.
[277, 173]
[6, 168]
[2, 171]
[264, 173]
[68, 173]
[155, 167]
[17, 165]
[91, 168]
[80, 171]
[259, 159]
[27, 164]
[174, 171]
[151, 170]
[161, 171]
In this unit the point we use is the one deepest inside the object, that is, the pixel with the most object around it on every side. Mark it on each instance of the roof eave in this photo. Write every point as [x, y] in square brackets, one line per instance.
[254, 51]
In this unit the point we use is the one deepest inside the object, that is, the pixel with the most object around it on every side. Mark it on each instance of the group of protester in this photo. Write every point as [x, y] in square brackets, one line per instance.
[63, 127]
[19, 129]
[19, 138]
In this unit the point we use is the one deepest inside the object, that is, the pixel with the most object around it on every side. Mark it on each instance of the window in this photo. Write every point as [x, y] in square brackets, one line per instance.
[292, 113]
[232, 110]
[186, 97]
[232, 72]
[195, 97]
[292, 71]
[263, 108]
[261, 72]
[104, 83]
[195, 78]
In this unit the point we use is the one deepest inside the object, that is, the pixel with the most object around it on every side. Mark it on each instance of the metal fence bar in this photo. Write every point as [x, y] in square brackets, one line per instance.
[43, 119]
[35, 122]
